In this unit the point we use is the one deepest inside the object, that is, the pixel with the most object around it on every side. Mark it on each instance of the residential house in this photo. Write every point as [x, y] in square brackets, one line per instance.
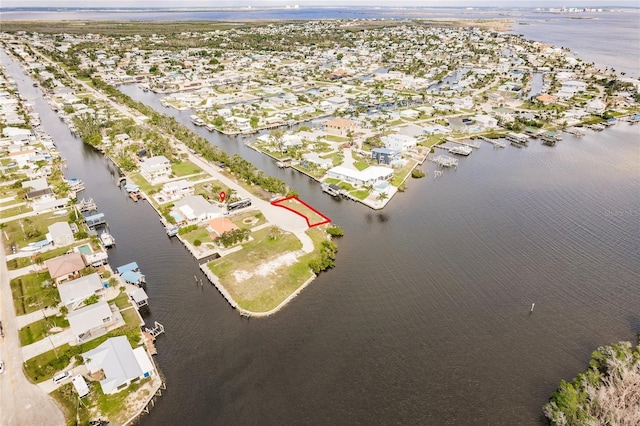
[194, 209]
[219, 226]
[66, 267]
[119, 363]
[596, 106]
[61, 234]
[368, 176]
[74, 293]
[485, 121]
[398, 142]
[156, 168]
[339, 126]
[384, 155]
[93, 321]
[314, 158]
[177, 189]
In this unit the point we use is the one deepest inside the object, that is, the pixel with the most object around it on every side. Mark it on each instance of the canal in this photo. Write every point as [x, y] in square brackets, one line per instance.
[425, 319]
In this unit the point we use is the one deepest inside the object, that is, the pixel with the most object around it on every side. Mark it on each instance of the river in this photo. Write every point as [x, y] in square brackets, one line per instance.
[426, 318]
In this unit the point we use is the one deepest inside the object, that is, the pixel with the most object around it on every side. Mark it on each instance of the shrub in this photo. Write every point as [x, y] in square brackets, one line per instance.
[197, 243]
[417, 174]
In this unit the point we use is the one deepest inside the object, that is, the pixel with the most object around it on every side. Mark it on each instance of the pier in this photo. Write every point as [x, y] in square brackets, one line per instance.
[495, 142]
[518, 138]
[95, 220]
[157, 329]
[574, 131]
[87, 205]
[445, 161]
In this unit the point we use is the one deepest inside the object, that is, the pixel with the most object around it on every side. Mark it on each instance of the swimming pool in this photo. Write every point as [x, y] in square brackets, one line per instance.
[85, 249]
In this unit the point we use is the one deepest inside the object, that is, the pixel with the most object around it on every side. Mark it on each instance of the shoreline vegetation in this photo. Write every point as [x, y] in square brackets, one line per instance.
[606, 393]
[434, 85]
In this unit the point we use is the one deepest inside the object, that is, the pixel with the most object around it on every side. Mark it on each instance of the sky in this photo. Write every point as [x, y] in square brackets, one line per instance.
[302, 3]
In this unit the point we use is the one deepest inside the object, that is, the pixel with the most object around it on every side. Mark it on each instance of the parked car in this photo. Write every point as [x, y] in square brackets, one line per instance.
[1, 367]
[61, 376]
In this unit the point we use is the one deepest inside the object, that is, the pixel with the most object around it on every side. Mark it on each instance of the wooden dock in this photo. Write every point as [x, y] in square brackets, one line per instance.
[495, 142]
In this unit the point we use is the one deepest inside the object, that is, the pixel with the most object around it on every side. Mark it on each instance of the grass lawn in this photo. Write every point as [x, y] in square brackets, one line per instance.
[200, 233]
[36, 226]
[335, 138]
[38, 330]
[21, 262]
[361, 165]
[336, 157]
[143, 184]
[257, 277]
[305, 211]
[346, 186]
[29, 296]
[360, 194]
[184, 168]
[109, 407]
[401, 174]
[330, 181]
[122, 300]
[248, 219]
[45, 365]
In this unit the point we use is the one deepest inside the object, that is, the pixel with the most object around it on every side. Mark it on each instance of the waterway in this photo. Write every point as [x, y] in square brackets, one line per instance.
[425, 319]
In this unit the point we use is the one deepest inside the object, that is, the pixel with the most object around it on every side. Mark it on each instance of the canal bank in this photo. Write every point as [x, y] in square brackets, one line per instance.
[430, 298]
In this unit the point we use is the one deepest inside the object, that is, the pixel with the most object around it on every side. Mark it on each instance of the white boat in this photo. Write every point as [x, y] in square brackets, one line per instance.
[107, 240]
[173, 231]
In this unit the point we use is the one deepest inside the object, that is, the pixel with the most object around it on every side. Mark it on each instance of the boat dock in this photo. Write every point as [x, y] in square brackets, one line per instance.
[157, 330]
[574, 131]
[550, 138]
[95, 220]
[596, 127]
[495, 142]
[467, 142]
[87, 205]
[518, 138]
[445, 161]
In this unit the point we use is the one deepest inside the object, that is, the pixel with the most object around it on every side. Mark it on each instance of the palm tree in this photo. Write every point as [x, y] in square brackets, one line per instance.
[275, 232]
[382, 196]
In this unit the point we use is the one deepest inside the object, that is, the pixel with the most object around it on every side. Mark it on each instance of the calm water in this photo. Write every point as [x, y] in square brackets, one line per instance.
[425, 320]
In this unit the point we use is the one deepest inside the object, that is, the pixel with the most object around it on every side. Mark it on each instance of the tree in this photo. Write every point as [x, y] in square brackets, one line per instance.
[275, 232]
[382, 196]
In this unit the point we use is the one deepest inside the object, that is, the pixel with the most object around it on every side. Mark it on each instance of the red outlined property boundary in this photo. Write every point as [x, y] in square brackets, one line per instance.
[277, 203]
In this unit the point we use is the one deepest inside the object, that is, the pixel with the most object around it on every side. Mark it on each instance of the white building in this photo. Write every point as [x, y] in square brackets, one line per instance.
[177, 189]
[399, 142]
[73, 293]
[155, 168]
[91, 321]
[119, 362]
[194, 209]
[60, 234]
[368, 176]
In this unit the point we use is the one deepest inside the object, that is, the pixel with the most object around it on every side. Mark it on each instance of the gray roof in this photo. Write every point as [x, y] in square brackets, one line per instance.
[198, 205]
[116, 359]
[60, 229]
[77, 290]
[89, 317]
[138, 295]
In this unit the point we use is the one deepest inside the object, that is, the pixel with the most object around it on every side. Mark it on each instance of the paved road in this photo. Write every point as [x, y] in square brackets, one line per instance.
[22, 403]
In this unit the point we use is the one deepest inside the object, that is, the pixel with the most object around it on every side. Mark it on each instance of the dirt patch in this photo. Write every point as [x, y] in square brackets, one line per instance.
[268, 268]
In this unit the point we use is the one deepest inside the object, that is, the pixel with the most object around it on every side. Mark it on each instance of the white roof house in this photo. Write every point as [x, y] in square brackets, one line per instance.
[194, 208]
[61, 234]
[155, 168]
[119, 362]
[91, 321]
[73, 293]
[368, 176]
[177, 189]
[398, 142]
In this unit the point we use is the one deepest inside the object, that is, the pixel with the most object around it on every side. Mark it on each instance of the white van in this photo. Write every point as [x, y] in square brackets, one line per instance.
[61, 376]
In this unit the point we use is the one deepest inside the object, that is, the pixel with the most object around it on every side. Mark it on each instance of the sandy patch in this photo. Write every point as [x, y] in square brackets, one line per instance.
[267, 268]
